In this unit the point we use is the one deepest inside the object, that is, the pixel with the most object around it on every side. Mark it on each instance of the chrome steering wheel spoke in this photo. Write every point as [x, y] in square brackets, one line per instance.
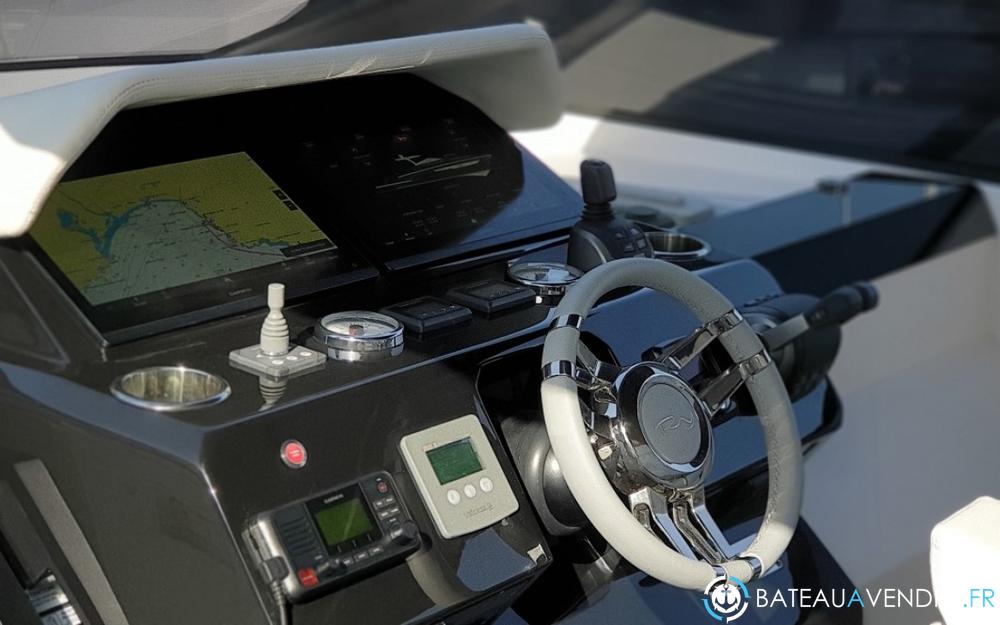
[717, 391]
[686, 350]
[651, 507]
[588, 371]
[684, 522]
[699, 527]
[597, 372]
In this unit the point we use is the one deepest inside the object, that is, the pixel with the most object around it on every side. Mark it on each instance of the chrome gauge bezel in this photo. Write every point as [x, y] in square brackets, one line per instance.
[546, 283]
[367, 347]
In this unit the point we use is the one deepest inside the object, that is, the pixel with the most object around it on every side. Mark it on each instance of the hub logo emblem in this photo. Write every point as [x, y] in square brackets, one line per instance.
[726, 599]
[674, 423]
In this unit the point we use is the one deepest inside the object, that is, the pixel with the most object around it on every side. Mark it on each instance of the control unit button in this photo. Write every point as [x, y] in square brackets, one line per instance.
[361, 556]
[293, 454]
[348, 561]
[453, 497]
[492, 296]
[382, 487]
[385, 514]
[486, 485]
[375, 551]
[308, 577]
[470, 491]
[393, 510]
[427, 314]
[389, 500]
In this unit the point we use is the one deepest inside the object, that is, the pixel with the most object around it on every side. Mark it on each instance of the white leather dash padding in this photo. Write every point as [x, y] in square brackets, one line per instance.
[965, 559]
[510, 72]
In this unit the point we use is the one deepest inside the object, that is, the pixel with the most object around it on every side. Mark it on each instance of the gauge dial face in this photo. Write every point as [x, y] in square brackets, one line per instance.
[545, 274]
[360, 335]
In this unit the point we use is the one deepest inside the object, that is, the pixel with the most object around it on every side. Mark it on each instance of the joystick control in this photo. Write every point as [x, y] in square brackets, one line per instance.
[274, 358]
[599, 236]
[274, 332]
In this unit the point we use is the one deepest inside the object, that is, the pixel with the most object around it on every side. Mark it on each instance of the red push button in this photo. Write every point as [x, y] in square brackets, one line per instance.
[382, 487]
[293, 454]
[308, 577]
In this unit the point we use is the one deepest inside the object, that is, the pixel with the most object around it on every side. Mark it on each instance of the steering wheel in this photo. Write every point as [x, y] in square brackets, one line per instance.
[648, 439]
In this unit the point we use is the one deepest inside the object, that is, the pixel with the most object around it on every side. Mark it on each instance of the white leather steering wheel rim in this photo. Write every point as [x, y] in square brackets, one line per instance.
[583, 473]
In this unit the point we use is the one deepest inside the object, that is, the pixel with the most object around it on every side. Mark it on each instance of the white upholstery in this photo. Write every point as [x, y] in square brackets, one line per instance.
[965, 558]
[508, 71]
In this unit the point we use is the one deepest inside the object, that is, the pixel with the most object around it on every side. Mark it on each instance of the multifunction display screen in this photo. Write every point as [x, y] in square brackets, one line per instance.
[343, 521]
[136, 232]
[169, 244]
[454, 461]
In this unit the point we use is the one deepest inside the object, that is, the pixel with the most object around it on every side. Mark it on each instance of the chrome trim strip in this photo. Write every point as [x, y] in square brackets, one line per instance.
[557, 368]
[725, 323]
[571, 320]
[755, 565]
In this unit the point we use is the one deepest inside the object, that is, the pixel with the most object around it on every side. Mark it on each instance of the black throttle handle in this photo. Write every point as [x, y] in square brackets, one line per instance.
[842, 305]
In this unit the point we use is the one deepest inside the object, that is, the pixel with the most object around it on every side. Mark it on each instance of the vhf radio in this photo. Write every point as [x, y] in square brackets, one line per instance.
[313, 545]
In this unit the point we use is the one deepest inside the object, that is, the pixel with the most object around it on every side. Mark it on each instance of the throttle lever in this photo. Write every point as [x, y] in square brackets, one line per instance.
[843, 304]
[836, 308]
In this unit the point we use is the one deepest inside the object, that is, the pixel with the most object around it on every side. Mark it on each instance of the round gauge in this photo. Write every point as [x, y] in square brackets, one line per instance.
[359, 335]
[549, 280]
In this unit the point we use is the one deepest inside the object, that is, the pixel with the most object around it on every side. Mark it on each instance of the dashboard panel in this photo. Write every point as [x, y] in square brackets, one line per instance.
[404, 477]
[180, 213]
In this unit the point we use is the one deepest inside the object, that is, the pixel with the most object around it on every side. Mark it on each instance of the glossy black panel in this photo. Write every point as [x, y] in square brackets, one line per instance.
[817, 240]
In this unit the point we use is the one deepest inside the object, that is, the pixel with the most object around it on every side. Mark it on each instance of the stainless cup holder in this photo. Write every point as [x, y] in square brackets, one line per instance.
[676, 246]
[168, 389]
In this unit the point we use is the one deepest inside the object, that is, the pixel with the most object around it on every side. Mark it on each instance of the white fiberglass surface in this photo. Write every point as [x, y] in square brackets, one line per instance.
[47, 30]
[918, 380]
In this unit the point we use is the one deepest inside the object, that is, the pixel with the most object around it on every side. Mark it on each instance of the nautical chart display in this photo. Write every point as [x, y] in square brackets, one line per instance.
[153, 248]
[135, 232]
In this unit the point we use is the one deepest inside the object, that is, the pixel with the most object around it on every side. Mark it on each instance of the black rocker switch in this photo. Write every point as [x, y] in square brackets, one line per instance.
[599, 236]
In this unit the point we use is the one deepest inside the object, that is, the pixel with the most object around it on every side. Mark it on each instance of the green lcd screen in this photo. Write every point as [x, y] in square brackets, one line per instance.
[343, 521]
[454, 461]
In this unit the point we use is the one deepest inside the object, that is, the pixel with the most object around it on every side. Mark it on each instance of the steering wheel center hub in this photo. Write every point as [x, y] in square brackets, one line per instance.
[669, 422]
[663, 426]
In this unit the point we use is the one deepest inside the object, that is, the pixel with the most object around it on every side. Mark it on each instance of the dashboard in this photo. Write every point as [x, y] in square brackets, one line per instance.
[181, 213]
[403, 489]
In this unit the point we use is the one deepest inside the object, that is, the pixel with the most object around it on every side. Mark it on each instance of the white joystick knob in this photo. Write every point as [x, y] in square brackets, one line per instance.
[274, 332]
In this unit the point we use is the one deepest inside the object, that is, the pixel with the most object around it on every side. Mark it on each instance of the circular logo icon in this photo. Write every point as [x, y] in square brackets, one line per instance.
[726, 599]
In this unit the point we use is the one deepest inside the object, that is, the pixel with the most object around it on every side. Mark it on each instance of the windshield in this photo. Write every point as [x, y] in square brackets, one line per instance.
[905, 81]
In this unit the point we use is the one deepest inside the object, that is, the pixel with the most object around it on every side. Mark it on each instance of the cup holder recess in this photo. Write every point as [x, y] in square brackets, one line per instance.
[677, 246]
[168, 389]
